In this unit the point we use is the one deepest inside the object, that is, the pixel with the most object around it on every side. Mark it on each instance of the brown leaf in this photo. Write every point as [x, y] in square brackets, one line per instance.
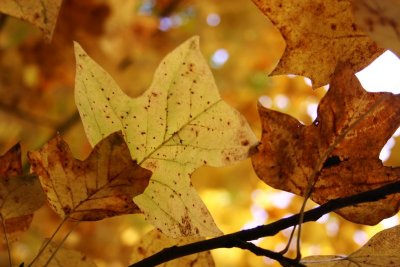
[101, 186]
[63, 258]
[381, 250]
[155, 241]
[318, 35]
[43, 14]
[341, 148]
[380, 19]
[20, 195]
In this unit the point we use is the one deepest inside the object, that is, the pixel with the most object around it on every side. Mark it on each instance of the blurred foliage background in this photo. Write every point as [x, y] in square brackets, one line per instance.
[129, 39]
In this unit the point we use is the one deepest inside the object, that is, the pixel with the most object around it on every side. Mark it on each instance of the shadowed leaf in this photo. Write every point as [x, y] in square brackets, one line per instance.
[20, 195]
[380, 19]
[99, 187]
[341, 148]
[179, 124]
[319, 35]
[155, 241]
[381, 250]
[43, 14]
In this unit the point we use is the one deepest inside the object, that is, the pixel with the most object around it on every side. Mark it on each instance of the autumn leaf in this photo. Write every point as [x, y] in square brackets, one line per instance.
[43, 14]
[20, 195]
[339, 150]
[380, 20]
[381, 250]
[318, 34]
[179, 124]
[63, 258]
[99, 187]
[155, 241]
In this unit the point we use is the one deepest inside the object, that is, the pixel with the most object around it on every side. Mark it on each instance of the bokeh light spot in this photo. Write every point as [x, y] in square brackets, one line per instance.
[360, 237]
[213, 19]
[281, 101]
[219, 58]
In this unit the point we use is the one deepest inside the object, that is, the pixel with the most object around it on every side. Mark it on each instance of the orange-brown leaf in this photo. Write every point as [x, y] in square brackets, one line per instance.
[318, 35]
[20, 195]
[380, 19]
[341, 148]
[101, 186]
[43, 14]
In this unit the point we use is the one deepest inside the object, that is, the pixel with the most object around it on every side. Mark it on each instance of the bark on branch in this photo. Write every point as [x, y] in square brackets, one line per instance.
[240, 238]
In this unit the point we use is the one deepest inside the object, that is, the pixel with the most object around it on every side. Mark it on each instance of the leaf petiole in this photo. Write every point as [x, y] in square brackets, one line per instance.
[6, 239]
[49, 240]
[61, 243]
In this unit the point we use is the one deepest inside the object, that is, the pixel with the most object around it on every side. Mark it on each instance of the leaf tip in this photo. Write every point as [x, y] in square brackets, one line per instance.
[194, 42]
[79, 52]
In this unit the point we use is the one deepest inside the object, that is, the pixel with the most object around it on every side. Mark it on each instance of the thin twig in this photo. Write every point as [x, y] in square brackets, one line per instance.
[271, 229]
[6, 239]
[61, 243]
[286, 262]
[48, 241]
[318, 167]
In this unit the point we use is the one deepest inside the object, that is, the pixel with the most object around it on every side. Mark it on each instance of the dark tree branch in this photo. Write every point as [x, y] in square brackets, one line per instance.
[284, 261]
[232, 240]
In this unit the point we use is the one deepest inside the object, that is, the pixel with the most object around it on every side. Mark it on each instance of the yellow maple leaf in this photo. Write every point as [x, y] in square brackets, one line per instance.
[179, 124]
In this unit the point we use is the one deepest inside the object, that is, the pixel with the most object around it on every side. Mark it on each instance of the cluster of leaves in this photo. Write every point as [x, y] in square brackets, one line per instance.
[145, 149]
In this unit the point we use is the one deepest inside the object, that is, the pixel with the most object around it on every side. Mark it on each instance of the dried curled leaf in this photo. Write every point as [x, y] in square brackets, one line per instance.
[179, 124]
[99, 187]
[318, 34]
[341, 148]
[381, 250]
[43, 14]
[63, 258]
[20, 195]
[380, 19]
[155, 241]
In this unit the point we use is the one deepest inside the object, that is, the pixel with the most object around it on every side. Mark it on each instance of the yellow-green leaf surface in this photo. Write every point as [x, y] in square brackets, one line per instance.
[101, 186]
[41, 13]
[63, 258]
[155, 241]
[179, 124]
[20, 195]
[381, 250]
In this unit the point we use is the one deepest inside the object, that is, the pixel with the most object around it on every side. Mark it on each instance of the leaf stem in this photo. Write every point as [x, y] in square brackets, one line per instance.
[61, 243]
[49, 240]
[318, 167]
[6, 239]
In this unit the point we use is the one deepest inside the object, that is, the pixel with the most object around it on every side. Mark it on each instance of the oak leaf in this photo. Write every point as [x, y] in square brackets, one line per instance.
[380, 19]
[155, 241]
[179, 124]
[381, 250]
[99, 187]
[318, 34]
[339, 151]
[43, 14]
[63, 257]
[20, 195]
